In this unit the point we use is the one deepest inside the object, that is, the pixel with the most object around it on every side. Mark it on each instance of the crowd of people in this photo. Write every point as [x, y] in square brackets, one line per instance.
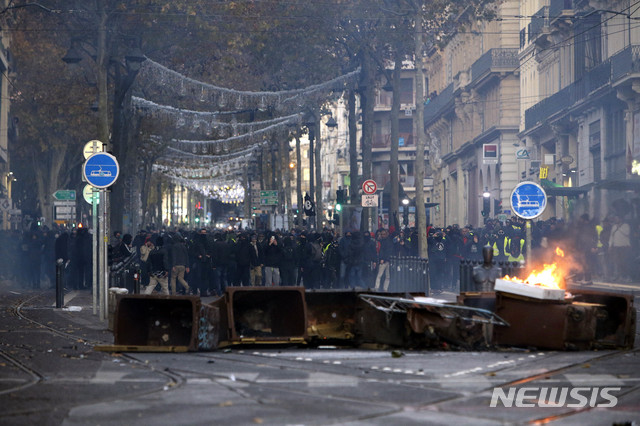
[206, 261]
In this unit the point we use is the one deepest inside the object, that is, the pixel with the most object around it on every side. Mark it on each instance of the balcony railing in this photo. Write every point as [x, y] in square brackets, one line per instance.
[618, 66]
[625, 62]
[495, 60]
[539, 21]
[556, 7]
[384, 141]
[436, 105]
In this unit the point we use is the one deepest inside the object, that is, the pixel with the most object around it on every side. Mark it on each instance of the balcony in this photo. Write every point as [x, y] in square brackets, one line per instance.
[384, 141]
[539, 23]
[495, 60]
[625, 62]
[614, 69]
[560, 8]
[436, 106]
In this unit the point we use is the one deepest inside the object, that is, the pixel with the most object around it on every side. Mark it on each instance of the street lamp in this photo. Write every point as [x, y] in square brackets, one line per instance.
[486, 202]
[405, 212]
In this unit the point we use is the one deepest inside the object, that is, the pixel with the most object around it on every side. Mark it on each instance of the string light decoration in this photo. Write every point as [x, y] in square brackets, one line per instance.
[153, 74]
[206, 122]
[213, 166]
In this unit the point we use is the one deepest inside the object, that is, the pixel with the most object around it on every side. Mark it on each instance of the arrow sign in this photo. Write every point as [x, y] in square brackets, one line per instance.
[101, 170]
[65, 194]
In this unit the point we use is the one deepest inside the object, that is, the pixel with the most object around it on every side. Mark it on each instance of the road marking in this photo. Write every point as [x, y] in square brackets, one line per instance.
[594, 380]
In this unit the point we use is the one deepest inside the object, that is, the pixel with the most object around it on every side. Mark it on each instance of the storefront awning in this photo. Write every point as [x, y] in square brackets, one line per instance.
[620, 184]
[553, 189]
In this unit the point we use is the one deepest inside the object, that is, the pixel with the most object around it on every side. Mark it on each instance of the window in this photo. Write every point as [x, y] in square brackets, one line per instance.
[615, 145]
[406, 91]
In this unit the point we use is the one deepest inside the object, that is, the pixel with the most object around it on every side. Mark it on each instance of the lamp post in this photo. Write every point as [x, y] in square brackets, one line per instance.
[405, 212]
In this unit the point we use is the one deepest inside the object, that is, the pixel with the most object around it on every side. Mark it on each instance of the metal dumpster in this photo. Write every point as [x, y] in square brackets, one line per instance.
[586, 320]
[262, 315]
[158, 323]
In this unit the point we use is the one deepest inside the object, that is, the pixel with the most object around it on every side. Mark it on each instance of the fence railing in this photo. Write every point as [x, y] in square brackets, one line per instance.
[409, 274]
[126, 274]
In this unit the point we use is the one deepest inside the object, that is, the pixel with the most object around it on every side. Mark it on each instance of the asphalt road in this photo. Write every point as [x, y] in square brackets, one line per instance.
[50, 374]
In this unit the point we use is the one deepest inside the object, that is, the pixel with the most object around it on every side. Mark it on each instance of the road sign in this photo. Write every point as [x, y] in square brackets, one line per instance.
[268, 198]
[101, 170]
[87, 194]
[92, 147]
[64, 194]
[369, 186]
[64, 210]
[5, 204]
[370, 200]
[528, 200]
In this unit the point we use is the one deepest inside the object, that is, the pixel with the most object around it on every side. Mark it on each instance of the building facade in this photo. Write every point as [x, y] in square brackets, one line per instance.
[471, 118]
[580, 115]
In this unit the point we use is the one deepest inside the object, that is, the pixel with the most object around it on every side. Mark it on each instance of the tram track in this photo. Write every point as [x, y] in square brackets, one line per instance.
[20, 309]
[179, 377]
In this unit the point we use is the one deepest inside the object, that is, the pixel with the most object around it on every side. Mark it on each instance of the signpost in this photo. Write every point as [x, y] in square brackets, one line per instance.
[268, 198]
[65, 194]
[64, 211]
[370, 200]
[100, 170]
[528, 201]
[369, 186]
[87, 194]
[92, 147]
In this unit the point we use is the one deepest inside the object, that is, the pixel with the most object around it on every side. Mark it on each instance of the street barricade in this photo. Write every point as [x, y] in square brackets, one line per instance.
[585, 320]
[159, 323]
[262, 315]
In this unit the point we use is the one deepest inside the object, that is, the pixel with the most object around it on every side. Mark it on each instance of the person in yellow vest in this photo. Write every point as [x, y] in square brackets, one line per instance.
[514, 249]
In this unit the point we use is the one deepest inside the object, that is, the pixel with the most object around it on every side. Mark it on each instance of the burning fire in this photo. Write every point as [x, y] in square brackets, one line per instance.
[549, 276]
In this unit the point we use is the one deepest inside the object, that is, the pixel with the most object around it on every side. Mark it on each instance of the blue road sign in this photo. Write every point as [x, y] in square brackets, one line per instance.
[101, 170]
[528, 200]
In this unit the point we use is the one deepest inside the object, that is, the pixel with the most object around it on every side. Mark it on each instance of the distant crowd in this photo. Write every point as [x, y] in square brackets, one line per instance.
[205, 261]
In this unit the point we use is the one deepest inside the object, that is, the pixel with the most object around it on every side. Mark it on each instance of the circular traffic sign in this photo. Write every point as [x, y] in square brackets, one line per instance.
[528, 200]
[369, 186]
[92, 147]
[87, 194]
[101, 170]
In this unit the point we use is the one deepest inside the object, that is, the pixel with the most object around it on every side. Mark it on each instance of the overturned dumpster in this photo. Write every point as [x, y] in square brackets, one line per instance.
[158, 323]
[576, 320]
[579, 320]
[262, 315]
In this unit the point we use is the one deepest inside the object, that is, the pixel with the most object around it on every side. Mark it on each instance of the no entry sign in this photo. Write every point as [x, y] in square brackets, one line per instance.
[369, 186]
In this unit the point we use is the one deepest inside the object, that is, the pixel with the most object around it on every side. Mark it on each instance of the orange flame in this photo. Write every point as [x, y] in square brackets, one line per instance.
[550, 276]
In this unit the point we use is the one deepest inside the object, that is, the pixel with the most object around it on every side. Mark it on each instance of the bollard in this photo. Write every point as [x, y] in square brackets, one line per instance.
[59, 283]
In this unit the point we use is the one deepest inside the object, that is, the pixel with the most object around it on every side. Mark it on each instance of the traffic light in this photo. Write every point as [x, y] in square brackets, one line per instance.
[336, 219]
[497, 206]
[340, 196]
[486, 206]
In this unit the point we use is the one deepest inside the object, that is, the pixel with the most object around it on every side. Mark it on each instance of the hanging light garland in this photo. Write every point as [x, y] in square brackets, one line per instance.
[233, 143]
[204, 121]
[152, 73]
